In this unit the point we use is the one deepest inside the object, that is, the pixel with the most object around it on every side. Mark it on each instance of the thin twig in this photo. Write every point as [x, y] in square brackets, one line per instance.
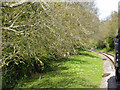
[18, 26]
[10, 29]
[16, 15]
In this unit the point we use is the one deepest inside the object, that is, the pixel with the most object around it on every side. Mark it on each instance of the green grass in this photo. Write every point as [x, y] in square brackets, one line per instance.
[79, 71]
[105, 50]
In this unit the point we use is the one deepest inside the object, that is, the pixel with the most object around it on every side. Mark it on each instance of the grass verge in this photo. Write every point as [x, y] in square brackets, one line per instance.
[79, 71]
[105, 50]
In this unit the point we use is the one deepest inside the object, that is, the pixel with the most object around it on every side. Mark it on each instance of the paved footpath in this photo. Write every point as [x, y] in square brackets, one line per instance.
[108, 80]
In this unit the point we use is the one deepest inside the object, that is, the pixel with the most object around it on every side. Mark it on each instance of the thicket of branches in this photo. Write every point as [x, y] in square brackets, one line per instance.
[33, 34]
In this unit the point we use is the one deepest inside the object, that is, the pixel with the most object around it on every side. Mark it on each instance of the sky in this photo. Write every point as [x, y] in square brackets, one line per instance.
[106, 7]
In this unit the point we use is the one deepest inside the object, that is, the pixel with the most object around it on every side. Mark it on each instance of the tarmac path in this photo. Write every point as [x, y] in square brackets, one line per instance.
[108, 80]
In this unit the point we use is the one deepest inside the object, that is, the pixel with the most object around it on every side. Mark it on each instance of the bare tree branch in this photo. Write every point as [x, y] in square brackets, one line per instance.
[45, 3]
[16, 15]
[10, 29]
[22, 26]
[14, 21]
[42, 64]
[44, 9]
[22, 2]
[12, 5]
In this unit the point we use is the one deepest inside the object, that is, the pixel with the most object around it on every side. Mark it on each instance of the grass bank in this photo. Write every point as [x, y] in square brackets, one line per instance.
[79, 71]
[105, 50]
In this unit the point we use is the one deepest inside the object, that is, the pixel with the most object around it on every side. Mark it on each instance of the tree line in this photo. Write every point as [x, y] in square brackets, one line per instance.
[108, 29]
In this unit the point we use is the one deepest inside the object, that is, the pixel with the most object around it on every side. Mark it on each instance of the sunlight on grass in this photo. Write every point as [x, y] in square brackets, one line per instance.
[79, 71]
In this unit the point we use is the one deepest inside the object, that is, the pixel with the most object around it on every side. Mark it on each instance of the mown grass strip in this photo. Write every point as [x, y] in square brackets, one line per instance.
[79, 71]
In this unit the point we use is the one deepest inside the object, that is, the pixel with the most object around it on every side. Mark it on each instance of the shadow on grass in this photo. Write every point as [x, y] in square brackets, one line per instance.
[86, 54]
[55, 65]
[55, 68]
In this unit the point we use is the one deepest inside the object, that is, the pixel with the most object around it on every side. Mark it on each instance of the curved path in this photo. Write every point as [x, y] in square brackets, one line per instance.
[108, 80]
